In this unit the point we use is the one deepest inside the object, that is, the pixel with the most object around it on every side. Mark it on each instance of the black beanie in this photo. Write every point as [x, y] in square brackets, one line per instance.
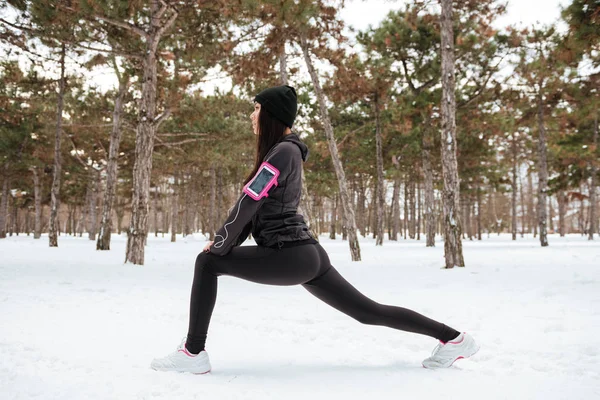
[280, 102]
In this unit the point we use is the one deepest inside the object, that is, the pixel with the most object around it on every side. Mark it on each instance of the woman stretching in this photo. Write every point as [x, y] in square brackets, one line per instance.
[286, 254]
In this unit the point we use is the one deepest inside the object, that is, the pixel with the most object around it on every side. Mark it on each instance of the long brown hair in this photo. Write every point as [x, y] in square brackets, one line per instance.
[270, 131]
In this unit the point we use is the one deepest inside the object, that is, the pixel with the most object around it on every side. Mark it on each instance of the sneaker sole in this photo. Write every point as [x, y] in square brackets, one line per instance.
[455, 360]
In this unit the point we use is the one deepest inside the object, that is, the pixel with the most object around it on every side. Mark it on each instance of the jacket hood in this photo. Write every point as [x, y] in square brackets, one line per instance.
[292, 137]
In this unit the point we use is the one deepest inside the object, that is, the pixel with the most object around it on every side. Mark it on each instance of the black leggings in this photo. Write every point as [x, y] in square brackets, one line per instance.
[307, 265]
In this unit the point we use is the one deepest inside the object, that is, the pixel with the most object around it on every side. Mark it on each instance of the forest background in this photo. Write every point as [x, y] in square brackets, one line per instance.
[165, 149]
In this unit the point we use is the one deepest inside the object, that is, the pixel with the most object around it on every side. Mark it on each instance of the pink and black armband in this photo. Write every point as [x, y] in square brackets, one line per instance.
[263, 181]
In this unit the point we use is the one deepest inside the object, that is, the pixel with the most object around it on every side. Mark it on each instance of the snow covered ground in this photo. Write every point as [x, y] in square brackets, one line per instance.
[79, 324]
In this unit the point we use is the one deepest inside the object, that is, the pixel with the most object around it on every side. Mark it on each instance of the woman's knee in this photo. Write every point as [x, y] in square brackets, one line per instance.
[203, 263]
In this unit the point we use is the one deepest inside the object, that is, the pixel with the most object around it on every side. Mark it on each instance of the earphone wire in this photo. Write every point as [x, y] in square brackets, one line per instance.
[220, 243]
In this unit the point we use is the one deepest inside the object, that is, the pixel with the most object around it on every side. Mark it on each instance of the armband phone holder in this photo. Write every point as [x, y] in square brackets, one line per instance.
[263, 181]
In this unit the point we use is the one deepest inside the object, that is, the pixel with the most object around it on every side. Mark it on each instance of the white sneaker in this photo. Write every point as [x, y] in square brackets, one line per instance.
[182, 360]
[444, 355]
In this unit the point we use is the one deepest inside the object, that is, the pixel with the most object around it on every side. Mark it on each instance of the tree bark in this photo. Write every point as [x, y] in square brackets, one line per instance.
[429, 196]
[380, 182]
[55, 191]
[418, 210]
[37, 193]
[4, 202]
[532, 226]
[451, 194]
[562, 205]
[283, 66]
[514, 188]
[112, 166]
[14, 219]
[593, 183]
[94, 184]
[155, 209]
[542, 174]
[405, 222]
[396, 209]
[175, 208]
[213, 202]
[334, 207]
[522, 207]
[413, 215]
[348, 210]
[550, 214]
[467, 215]
[144, 143]
[362, 198]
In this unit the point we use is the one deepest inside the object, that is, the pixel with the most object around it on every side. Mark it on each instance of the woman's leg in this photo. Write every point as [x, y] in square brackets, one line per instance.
[288, 266]
[330, 287]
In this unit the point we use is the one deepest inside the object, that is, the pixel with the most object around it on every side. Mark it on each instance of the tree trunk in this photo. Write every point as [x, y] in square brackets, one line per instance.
[362, 198]
[467, 213]
[94, 184]
[37, 193]
[550, 214]
[531, 226]
[119, 210]
[380, 182]
[82, 218]
[451, 197]
[405, 224]
[28, 221]
[144, 143]
[429, 198]
[283, 66]
[14, 226]
[4, 203]
[213, 203]
[593, 183]
[55, 191]
[582, 224]
[396, 209]
[103, 242]
[334, 207]
[412, 230]
[478, 188]
[175, 208]
[514, 188]
[418, 210]
[542, 174]
[155, 209]
[522, 208]
[348, 210]
[562, 206]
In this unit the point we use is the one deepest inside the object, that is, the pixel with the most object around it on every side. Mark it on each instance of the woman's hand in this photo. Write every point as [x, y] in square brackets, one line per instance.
[207, 247]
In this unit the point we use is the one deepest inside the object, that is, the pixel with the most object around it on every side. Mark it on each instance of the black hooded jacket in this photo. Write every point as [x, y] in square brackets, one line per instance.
[273, 220]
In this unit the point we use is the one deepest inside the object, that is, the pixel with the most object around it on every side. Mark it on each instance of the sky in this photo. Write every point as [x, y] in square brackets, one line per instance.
[361, 14]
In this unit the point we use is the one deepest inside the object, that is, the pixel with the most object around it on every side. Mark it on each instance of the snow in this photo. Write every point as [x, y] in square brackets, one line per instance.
[79, 324]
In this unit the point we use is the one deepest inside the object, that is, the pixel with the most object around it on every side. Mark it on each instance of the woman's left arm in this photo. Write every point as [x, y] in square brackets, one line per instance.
[246, 207]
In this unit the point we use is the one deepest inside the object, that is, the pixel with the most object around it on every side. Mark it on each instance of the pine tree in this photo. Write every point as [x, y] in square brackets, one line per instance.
[451, 195]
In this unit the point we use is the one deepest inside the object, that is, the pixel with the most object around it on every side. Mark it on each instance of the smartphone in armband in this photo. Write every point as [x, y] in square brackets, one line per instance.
[265, 178]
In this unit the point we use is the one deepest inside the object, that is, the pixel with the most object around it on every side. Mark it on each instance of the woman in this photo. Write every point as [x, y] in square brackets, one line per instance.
[286, 254]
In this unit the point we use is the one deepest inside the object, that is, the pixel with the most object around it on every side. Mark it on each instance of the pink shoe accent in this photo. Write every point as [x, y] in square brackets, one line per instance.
[202, 373]
[186, 351]
[456, 360]
[463, 338]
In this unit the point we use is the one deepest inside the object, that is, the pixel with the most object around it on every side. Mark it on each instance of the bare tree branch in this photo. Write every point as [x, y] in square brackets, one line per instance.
[166, 26]
[160, 118]
[180, 143]
[125, 25]
[182, 134]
